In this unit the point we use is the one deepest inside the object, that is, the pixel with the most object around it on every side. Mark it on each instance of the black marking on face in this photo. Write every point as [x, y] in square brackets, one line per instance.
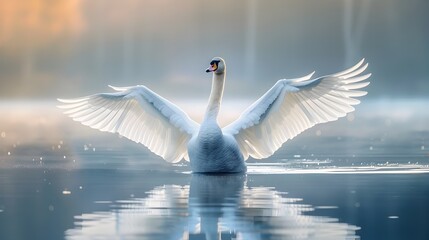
[214, 65]
[214, 61]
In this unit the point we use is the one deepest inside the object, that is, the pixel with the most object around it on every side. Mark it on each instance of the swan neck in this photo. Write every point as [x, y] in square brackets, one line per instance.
[215, 99]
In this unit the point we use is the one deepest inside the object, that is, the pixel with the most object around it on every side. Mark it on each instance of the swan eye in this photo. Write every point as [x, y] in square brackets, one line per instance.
[214, 65]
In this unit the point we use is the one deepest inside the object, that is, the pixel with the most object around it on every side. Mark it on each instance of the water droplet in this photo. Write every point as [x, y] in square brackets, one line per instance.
[41, 158]
[8, 153]
[371, 148]
[85, 147]
[93, 149]
[297, 156]
[66, 192]
[51, 208]
[80, 187]
[59, 146]
[3, 134]
[393, 217]
[422, 148]
[61, 142]
[131, 195]
[64, 157]
[1, 210]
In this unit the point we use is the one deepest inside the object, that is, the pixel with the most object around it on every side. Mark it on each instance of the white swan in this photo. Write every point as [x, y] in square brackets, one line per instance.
[288, 108]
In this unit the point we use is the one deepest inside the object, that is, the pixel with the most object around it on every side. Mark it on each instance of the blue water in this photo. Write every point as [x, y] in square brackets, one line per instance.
[363, 177]
[166, 205]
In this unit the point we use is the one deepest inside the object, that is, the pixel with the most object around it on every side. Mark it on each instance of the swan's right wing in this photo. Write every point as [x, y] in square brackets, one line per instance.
[294, 105]
[139, 114]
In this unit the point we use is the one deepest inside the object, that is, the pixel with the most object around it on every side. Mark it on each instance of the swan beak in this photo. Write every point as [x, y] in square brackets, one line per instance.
[212, 68]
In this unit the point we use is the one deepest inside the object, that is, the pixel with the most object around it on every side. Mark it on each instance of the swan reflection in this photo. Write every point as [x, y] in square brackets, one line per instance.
[211, 207]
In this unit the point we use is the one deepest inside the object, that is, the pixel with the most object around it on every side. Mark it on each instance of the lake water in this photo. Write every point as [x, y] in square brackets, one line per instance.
[363, 177]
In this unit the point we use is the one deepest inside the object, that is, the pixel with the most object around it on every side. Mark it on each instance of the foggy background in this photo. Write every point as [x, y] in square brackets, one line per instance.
[71, 48]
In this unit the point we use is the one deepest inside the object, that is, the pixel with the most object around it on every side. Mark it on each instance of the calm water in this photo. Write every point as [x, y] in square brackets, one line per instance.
[126, 204]
[363, 177]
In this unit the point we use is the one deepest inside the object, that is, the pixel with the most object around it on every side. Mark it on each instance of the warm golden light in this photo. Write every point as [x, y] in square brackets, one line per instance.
[38, 21]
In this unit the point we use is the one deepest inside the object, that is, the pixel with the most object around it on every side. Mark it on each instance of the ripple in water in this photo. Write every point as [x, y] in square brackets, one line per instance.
[211, 207]
[281, 168]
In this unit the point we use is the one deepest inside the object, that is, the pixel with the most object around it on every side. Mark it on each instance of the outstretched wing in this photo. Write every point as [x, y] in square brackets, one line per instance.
[294, 105]
[139, 114]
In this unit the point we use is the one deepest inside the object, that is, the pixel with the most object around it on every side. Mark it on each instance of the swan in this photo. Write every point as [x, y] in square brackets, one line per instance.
[287, 109]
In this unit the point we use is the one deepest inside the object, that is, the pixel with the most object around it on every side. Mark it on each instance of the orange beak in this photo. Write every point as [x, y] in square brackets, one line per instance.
[212, 68]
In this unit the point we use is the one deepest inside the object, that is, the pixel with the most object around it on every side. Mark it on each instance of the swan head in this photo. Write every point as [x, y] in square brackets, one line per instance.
[217, 66]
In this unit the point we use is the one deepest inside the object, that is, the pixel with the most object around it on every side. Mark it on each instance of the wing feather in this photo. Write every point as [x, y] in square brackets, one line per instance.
[294, 105]
[139, 114]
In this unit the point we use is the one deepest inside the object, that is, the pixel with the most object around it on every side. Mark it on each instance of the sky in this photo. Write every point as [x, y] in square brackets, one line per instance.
[71, 48]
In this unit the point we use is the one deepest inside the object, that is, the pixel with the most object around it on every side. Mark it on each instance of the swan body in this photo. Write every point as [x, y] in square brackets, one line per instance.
[213, 151]
[288, 108]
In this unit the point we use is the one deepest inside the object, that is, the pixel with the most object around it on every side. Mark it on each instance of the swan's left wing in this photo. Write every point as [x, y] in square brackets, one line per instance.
[294, 105]
[139, 114]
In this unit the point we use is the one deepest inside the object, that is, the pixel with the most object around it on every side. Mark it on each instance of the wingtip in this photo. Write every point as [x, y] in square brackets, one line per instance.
[356, 66]
[71, 101]
[352, 69]
[118, 89]
[308, 76]
[301, 79]
[368, 75]
[112, 87]
[62, 100]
